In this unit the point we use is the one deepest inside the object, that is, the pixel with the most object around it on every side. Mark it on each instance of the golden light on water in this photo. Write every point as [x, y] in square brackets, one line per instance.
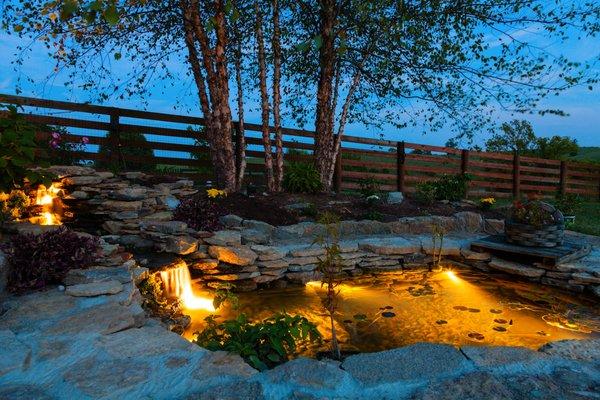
[178, 283]
[452, 276]
[47, 198]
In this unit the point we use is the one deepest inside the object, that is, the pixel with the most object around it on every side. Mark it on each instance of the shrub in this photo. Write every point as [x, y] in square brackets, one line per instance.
[144, 156]
[13, 205]
[425, 193]
[369, 187]
[301, 178]
[263, 344]
[61, 152]
[20, 150]
[201, 211]
[568, 203]
[39, 260]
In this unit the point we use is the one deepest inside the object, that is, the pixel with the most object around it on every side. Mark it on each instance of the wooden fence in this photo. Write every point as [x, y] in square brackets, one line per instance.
[170, 146]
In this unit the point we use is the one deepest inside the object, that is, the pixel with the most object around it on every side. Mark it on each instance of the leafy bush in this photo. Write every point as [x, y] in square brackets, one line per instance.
[369, 187]
[301, 178]
[13, 205]
[568, 203]
[144, 155]
[61, 151]
[19, 150]
[425, 193]
[447, 187]
[263, 344]
[39, 260]
[201, 211]
[536, 213]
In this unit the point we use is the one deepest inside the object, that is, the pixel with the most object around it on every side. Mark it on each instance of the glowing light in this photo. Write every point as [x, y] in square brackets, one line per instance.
[45, 197]
[178, 283]
[450, 274]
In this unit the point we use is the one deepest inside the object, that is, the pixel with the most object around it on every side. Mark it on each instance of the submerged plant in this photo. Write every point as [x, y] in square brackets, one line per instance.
[330, 265]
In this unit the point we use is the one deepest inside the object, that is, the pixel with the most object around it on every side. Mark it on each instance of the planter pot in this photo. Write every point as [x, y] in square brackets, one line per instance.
[534, 236]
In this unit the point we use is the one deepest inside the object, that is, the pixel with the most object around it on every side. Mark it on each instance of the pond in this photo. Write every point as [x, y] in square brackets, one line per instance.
[458, 307]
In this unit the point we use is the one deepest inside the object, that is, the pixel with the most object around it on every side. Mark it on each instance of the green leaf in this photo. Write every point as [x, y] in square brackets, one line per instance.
[18, 28]
[318, 41]
[274, 357]
[68, 9]
[111, 15]
[117, 56]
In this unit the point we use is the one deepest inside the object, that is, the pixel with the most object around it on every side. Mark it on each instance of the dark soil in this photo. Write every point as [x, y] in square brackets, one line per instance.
[275, 209]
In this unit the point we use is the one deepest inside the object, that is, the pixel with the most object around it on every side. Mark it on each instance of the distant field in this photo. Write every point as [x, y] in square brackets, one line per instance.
[588, 154]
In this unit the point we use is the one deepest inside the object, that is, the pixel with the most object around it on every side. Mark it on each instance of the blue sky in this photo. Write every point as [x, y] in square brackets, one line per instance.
[582, 105]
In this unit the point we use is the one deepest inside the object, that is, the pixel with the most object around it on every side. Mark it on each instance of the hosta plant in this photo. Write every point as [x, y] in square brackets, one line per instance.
[39, 260]
[301, 177]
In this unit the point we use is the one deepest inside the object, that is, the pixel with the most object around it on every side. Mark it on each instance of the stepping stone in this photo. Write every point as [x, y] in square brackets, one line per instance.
[95, 289]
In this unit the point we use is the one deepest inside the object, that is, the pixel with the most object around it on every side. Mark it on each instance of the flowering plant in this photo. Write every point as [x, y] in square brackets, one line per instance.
[486, 203]
[534, 213]
[214, 193]
[13, 205]
[62, 150]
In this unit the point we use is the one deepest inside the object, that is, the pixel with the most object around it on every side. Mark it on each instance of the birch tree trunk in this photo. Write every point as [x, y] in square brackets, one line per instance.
[262, 76]
[241, 142]
[324, 155]
[277, 98]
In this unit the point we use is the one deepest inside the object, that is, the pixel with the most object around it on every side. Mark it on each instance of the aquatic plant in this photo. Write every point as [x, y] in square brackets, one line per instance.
[330, 265]
[262, 344]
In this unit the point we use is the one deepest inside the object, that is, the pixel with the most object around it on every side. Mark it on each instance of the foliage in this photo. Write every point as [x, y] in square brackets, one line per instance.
[531, 212]
[263, 344]
[39, 260]
[330, 265]
[373, 215]
[20, 151]
[446, 187]
[437, 233]
[485, 203]
[61, 151]
[152, 291]
[201, 211]
[13, 205]
[425, 193]
[223, 294]
[301, 177]
[516, 135]
[369, 187]
[117, 162]
[556, 147]
[568, 204]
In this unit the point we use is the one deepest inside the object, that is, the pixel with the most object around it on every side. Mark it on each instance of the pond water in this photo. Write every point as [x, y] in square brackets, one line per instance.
[457, 307]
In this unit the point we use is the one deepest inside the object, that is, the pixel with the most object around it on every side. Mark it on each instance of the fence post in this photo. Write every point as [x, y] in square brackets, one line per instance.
[563, 178]
[337, 173]
[400, 166]
[115, 139]
[516, 175]
[464, 167]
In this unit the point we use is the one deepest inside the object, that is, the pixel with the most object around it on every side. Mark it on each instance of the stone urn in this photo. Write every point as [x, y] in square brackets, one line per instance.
[535, 224]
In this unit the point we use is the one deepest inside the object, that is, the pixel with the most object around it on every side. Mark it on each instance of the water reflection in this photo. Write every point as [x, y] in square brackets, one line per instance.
[456, 307]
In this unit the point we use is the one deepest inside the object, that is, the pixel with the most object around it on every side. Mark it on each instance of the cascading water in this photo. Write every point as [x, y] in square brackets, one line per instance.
[178, 283]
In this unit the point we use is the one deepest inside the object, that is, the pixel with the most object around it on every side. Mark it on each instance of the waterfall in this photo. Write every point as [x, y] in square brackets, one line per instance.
[178, 283]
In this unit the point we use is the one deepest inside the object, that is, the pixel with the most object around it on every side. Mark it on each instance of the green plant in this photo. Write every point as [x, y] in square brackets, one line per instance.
[425, 193]
[330, 265]
[13, 205]
[437, 233]
[533, 213]
[369, 187]
[301, 177]
[373, 215]
[61, 151]
[568, 204]
[152, 292]
[134, 155]
[201, 211]
[19, 152]
[452, 187]
[263, 344]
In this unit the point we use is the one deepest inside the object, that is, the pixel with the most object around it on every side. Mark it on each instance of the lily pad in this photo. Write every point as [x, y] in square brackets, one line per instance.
[461, 308]
[388, 314]
[500, 321]
[499, 329]
[495, 311]
[441, 322]
[474, 310]
[388, 307]
[476, 336]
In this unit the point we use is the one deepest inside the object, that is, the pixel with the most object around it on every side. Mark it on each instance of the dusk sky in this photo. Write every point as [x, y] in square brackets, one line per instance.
[582, 105]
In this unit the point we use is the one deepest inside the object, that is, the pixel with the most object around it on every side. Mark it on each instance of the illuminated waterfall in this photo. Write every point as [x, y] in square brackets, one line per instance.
[178, 283]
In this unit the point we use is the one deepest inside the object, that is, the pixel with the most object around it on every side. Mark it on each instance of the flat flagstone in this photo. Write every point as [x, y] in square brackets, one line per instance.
[389, 246]
[95, 289]
[14, 352]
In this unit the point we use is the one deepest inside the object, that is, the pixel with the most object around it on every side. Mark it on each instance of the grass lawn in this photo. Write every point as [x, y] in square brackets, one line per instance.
[587, 219]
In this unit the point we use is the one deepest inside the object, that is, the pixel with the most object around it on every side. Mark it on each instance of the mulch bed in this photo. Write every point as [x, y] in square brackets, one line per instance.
[272, 208]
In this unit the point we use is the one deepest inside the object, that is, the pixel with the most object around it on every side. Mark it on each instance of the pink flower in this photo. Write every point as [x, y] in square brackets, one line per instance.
[85, 140]
[54, 144]
[56, 135]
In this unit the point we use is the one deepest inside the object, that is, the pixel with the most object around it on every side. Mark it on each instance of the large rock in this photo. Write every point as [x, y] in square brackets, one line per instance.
[98, 274]
[14, 352]
[118, 205]
[449, 247]
[225, 238]
[166, 227]
[239, 389]
[502, 356]
[268, 253]
[62, 171]
[95, 289]
[469, 221]
[181, 245]
[83, 180]
[231, 221]
[254, 236]
[241, 255]
[581, 350]
[389, 246]
[309, 373]
[515, 269]
[395, 198]
[418, 362]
